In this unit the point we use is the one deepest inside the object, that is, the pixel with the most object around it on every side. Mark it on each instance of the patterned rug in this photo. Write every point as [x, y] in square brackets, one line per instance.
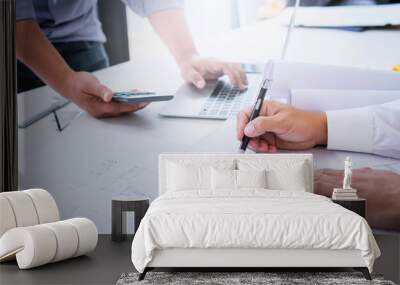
[244, 278]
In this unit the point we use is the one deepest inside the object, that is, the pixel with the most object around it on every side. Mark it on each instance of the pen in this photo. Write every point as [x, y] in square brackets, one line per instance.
[256, 110]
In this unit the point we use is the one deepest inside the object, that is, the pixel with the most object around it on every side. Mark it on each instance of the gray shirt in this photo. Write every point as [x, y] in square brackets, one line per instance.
[77, 20]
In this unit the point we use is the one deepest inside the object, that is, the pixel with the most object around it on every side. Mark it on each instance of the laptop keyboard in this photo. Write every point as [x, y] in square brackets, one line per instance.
[224, 101]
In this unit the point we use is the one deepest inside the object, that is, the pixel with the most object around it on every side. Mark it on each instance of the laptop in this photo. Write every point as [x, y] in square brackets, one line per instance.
[219, 100]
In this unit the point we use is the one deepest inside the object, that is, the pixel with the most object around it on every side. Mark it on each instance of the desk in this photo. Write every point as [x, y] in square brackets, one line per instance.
[93, 160]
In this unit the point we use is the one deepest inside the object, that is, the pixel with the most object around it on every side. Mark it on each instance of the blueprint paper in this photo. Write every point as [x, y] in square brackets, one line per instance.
[346, 16]
[297, 75]
[324, 100]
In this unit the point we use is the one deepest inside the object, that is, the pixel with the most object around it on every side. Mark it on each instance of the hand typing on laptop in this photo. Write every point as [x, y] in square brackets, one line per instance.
[198, 70]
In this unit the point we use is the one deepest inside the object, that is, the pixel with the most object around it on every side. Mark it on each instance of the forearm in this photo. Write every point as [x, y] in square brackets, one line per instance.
[373, 129]
[34, 50]
[173, 30]
[381, 190]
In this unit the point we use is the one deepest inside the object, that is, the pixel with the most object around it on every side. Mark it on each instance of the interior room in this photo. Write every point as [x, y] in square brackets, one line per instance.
[200, 142]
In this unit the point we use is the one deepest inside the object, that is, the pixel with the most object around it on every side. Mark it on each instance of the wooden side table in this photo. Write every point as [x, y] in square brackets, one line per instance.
[358, 206]
[120, 207]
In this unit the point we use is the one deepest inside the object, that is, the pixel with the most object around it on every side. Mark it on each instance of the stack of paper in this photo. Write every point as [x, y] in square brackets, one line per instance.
[344, 194]
[346, 16]
[320, 87]
[334, 99]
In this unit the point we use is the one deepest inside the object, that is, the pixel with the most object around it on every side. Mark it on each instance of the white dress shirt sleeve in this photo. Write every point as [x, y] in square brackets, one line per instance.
[373, 129]
[147, 7]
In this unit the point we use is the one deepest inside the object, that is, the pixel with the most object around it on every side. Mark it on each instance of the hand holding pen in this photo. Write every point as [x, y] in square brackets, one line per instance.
[280, 126]
[256, 111]
[265, 86]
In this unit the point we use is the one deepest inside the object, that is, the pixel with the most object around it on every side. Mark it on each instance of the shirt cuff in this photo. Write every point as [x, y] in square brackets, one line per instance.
[350, 130]
[25, 10]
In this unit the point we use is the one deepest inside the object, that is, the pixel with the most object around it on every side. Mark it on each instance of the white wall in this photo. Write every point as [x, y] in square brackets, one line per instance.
[208, 18]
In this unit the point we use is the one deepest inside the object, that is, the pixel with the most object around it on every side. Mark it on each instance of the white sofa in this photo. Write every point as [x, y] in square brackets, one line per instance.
[31, 231]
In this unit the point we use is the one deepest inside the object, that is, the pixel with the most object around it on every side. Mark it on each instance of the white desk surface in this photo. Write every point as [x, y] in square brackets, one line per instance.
[93, 160]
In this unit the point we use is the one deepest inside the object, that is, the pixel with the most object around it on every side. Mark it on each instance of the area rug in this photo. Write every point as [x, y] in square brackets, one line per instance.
[244, 278]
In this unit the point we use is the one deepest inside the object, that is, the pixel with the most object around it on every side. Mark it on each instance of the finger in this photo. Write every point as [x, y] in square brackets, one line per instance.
[323, 183]
[254, 144]
[141, 106]
[330, 179]
[233, 78]
[241, 122]
[238, 80]
[215, 68]
[95, 88]
[273, 148]
[194, 77]
[263, 146]
[270, 138]
[270, 108]
[127, 108]
[261, 125]
[242, 74]
[114, 109]
[331, 172]
[323, 188]
[363, 170]
[258, 145]
[317, 174]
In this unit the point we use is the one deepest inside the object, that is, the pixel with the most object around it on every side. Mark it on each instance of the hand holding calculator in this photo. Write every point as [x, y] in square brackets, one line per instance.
[134, 97]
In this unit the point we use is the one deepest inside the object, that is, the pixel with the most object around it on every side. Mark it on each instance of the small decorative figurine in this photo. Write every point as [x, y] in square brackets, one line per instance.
[347, 174]
[346, 192]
